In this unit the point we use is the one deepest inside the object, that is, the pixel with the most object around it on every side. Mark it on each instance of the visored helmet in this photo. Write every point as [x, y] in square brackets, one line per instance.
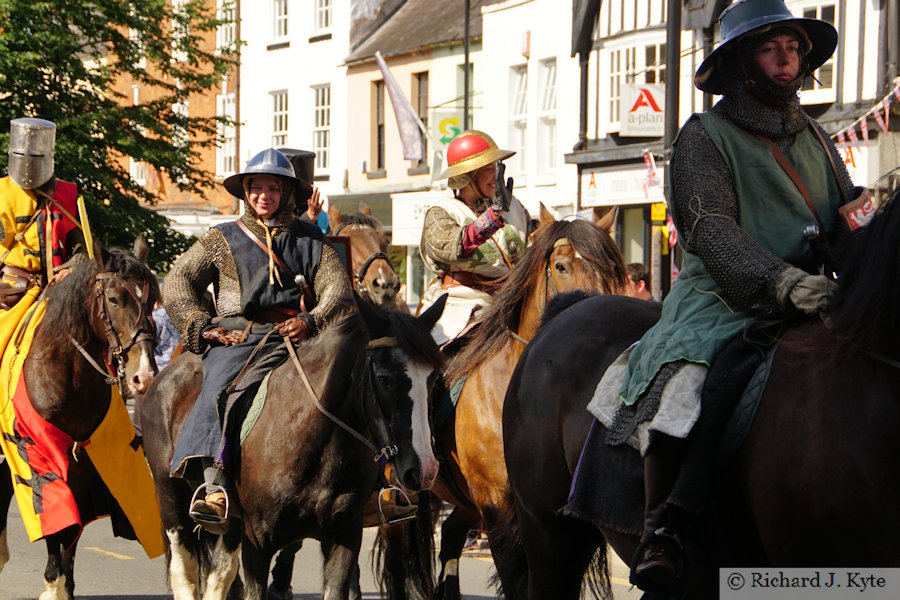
[31, 143]
[471, 150]
[751, 17]
[268, 162]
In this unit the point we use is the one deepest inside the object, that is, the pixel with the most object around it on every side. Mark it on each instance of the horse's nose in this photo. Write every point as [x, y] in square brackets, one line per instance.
[422, 478]
[140, 381]
[388, 286]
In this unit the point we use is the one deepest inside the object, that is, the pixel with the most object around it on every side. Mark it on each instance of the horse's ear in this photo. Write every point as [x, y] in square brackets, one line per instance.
[372, 316]
[547, 217]
[605, 217]
[334, 216]
[140, 250]
[430, 317]
[364, 209]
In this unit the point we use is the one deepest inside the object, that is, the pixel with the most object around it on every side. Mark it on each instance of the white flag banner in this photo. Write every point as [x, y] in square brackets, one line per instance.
[407, 120]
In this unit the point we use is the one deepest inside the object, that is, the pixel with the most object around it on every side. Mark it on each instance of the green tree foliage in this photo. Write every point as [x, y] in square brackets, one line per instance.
[61, 61]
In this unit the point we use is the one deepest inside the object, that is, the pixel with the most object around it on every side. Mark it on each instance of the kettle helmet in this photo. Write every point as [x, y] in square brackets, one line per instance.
[471, 150]
[751, 17]
[269, 162]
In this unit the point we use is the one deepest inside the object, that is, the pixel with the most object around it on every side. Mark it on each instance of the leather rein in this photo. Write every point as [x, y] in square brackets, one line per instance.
[118, 352]
[382, 455]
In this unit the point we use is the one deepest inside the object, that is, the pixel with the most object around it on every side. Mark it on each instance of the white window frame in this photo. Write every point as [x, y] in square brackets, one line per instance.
[278, 117]
[136, 171]
[630, 68]
[518, 121]
[279, 20]
[225, 33]
[323, 17]
[226, 150]
[547, 159]
[178, 32]
[820, 94]
[321, 121]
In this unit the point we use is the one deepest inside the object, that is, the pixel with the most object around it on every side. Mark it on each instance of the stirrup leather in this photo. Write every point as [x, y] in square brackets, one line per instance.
[206, 517]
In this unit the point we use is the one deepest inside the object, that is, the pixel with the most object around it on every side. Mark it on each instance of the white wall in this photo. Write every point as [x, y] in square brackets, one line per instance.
[295, 69]
[549, 23]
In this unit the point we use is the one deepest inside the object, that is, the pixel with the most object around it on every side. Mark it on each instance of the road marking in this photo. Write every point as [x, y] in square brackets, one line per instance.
[108, 553]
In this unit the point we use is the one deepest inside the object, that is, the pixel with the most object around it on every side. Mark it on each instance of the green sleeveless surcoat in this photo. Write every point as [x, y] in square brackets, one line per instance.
[696, 320]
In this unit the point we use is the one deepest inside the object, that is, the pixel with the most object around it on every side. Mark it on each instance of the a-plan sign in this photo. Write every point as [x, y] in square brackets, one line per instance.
[643, 114]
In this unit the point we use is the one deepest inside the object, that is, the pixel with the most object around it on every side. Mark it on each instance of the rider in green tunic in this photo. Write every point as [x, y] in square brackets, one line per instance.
[746, 228]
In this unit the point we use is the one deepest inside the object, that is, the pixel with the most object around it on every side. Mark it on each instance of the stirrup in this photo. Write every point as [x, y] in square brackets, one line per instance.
[395, 520]
[667, 536]
[204, 518]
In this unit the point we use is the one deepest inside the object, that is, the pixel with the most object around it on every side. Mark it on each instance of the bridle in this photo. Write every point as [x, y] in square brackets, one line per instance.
[145, 330]
[360, 276]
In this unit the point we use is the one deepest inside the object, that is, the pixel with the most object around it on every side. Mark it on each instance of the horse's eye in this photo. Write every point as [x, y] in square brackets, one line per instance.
[560, 268]
[113, 300]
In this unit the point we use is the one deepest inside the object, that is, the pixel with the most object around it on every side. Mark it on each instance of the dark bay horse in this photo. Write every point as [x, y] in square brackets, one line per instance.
[814, 484]
[104, 307]
[374, 277]
[564, 256]
[302, 474]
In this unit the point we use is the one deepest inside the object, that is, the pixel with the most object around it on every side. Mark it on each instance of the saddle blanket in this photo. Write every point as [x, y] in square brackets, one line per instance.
[608, 484]
[38, 454]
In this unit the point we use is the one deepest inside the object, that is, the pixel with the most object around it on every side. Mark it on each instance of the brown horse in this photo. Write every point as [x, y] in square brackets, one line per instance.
[564, 256]
[374, 277]
[102, 307]
[815, 482]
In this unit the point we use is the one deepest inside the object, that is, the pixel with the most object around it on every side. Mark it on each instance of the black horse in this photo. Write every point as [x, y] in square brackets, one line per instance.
[814, 483]
[302, 474]
[102, 308]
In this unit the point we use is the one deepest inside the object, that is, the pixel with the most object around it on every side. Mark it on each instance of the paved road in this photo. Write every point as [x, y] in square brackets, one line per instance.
[109, 568]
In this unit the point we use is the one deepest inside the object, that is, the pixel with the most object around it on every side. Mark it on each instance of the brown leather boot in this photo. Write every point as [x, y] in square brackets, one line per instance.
[211, 512]
[393, 508]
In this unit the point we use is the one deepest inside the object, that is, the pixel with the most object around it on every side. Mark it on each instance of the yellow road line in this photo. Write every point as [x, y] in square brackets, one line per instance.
[108, 553]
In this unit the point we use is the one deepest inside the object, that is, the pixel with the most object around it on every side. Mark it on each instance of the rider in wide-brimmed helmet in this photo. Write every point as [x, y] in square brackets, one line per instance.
[755, 187]
[475, 237]
[268, 269]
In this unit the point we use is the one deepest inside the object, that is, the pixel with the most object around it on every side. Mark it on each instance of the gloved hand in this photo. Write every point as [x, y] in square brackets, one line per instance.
[294, 329]
[503, 193]
[221, 336]
[812, 293]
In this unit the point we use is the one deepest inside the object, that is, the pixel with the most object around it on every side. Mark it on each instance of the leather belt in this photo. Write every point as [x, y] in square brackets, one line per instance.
[275, 315]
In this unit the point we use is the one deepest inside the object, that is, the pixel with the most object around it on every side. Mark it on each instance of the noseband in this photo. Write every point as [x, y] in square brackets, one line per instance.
[361, 275]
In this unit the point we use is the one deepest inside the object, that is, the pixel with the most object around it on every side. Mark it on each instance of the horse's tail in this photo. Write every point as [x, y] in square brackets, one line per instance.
[403, 556]
[597, 577]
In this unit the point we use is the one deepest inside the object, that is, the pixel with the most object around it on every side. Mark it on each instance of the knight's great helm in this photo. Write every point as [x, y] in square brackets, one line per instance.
[31, 143]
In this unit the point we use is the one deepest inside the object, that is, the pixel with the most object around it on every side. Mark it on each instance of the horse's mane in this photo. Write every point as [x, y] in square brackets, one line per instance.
[69, 301]
[863, 312]
[595, 247]
[359, 219]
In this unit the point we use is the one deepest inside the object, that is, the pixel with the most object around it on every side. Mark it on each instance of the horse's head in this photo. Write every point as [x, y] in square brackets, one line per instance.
[373, 275]
[402, 363]
[124, 293]
[581, 256]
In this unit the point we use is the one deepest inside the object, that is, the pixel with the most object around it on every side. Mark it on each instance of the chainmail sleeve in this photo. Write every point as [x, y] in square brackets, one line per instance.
[332, 288]
[208, 261]
[441, 236]
[705, 210]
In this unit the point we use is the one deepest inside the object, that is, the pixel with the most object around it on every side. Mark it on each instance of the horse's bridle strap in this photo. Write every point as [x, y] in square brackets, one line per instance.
[293, 353]
[368, 263]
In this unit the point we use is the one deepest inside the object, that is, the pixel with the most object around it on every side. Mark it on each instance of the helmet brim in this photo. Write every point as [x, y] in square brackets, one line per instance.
[234, 185]
[476, 162]
[822, 36]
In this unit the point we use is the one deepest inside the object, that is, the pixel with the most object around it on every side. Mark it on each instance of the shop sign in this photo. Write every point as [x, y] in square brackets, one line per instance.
[609, 186]
[643, 105]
